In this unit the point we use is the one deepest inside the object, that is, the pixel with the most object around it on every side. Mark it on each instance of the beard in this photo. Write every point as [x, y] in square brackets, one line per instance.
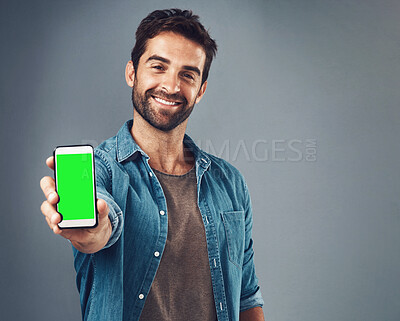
[156, 118]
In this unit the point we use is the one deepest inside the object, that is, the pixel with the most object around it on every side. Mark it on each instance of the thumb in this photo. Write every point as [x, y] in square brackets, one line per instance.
[102, 208]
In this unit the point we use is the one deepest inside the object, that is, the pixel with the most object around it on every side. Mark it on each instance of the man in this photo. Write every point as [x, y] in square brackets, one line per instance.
[174, 235]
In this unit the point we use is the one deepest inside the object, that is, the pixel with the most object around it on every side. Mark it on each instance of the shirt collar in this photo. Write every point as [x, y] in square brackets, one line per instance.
[126, 146]
[201, 157]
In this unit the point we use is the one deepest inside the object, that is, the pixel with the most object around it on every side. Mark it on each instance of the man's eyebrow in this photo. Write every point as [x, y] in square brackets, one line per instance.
[155, 57]
[191, 68]
[167, 61]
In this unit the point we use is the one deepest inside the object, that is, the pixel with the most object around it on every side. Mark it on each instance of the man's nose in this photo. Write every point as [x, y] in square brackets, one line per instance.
[171, 83]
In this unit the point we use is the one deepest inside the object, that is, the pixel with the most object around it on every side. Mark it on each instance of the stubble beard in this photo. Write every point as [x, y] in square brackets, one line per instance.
[142, 104]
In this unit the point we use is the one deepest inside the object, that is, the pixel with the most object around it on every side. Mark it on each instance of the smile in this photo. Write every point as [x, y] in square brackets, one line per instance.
[166, 102]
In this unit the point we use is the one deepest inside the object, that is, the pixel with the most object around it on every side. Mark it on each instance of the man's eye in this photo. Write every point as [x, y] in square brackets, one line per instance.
[188, 76]
[158, 67]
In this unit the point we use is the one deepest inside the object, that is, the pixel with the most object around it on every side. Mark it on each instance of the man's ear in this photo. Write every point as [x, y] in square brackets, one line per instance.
[130, 73]
[201, 92]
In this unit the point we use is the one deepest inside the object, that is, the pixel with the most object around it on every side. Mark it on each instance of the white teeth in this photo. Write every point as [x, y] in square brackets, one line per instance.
[169, 103]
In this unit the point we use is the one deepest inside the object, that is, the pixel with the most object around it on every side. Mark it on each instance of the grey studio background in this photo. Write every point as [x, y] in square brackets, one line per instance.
[303, 98]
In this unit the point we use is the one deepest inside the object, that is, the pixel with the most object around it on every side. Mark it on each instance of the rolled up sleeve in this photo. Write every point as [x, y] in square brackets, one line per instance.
[103, 189]
[250, 293]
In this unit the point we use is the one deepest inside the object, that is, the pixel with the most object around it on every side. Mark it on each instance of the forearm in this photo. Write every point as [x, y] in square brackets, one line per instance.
[253, 314]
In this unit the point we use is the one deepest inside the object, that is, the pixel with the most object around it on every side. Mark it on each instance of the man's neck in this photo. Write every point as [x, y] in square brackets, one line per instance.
[165, 149]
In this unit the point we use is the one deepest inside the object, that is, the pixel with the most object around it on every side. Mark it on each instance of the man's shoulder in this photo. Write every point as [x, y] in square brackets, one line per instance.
[221, 166]
[218, 161]
[224, 176]
[215, 162]
[107, 149]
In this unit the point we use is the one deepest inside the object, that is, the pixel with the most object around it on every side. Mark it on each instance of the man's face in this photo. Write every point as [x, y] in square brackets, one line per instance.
[167, 82]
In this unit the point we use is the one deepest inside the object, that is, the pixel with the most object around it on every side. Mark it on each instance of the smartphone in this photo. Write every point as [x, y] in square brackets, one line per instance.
[75, 185]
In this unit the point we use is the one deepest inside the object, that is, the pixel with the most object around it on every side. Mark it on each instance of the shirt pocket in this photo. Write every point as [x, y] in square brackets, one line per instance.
[235, 233]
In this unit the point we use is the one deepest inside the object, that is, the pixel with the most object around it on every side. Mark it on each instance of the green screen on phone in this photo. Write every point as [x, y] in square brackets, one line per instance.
[75, 186]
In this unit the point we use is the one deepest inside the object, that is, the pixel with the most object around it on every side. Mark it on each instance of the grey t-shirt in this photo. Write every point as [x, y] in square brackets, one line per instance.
[182, 288]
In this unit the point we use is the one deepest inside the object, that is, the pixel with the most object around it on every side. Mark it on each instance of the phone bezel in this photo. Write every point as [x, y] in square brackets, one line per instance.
[77, 149]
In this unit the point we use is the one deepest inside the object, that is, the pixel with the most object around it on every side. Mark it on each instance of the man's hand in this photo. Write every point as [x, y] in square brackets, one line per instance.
[84, 240]
[253, 314]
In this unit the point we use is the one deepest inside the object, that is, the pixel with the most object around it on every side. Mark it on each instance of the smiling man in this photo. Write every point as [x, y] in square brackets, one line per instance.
[174, 235]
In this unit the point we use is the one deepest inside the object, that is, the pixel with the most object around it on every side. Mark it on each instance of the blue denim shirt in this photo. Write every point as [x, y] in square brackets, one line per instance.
[114, 282]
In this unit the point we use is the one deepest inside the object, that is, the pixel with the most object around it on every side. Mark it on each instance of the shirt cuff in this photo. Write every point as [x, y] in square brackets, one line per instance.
[116, 220]
[252, 301]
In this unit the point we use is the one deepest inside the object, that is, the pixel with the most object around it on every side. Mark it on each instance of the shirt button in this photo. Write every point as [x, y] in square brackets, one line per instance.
[141, 296]
[162, 212]
[151, 174]
[156, 254]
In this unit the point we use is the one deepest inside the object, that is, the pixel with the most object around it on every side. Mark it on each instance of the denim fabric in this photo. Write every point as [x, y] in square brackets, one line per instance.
[114, 282]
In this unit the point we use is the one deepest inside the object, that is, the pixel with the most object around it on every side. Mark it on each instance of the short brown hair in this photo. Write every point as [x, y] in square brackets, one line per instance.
[183, 22]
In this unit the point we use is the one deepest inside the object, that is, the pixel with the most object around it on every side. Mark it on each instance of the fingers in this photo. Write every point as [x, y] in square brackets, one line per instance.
[50, 162]
[104, 225]
[51, 215]
[57, 230]
[102, 208]
[48, 209]
[48, 187]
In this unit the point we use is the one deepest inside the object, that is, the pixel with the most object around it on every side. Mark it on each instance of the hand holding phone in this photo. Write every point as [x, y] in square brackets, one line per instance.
[85, 240]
